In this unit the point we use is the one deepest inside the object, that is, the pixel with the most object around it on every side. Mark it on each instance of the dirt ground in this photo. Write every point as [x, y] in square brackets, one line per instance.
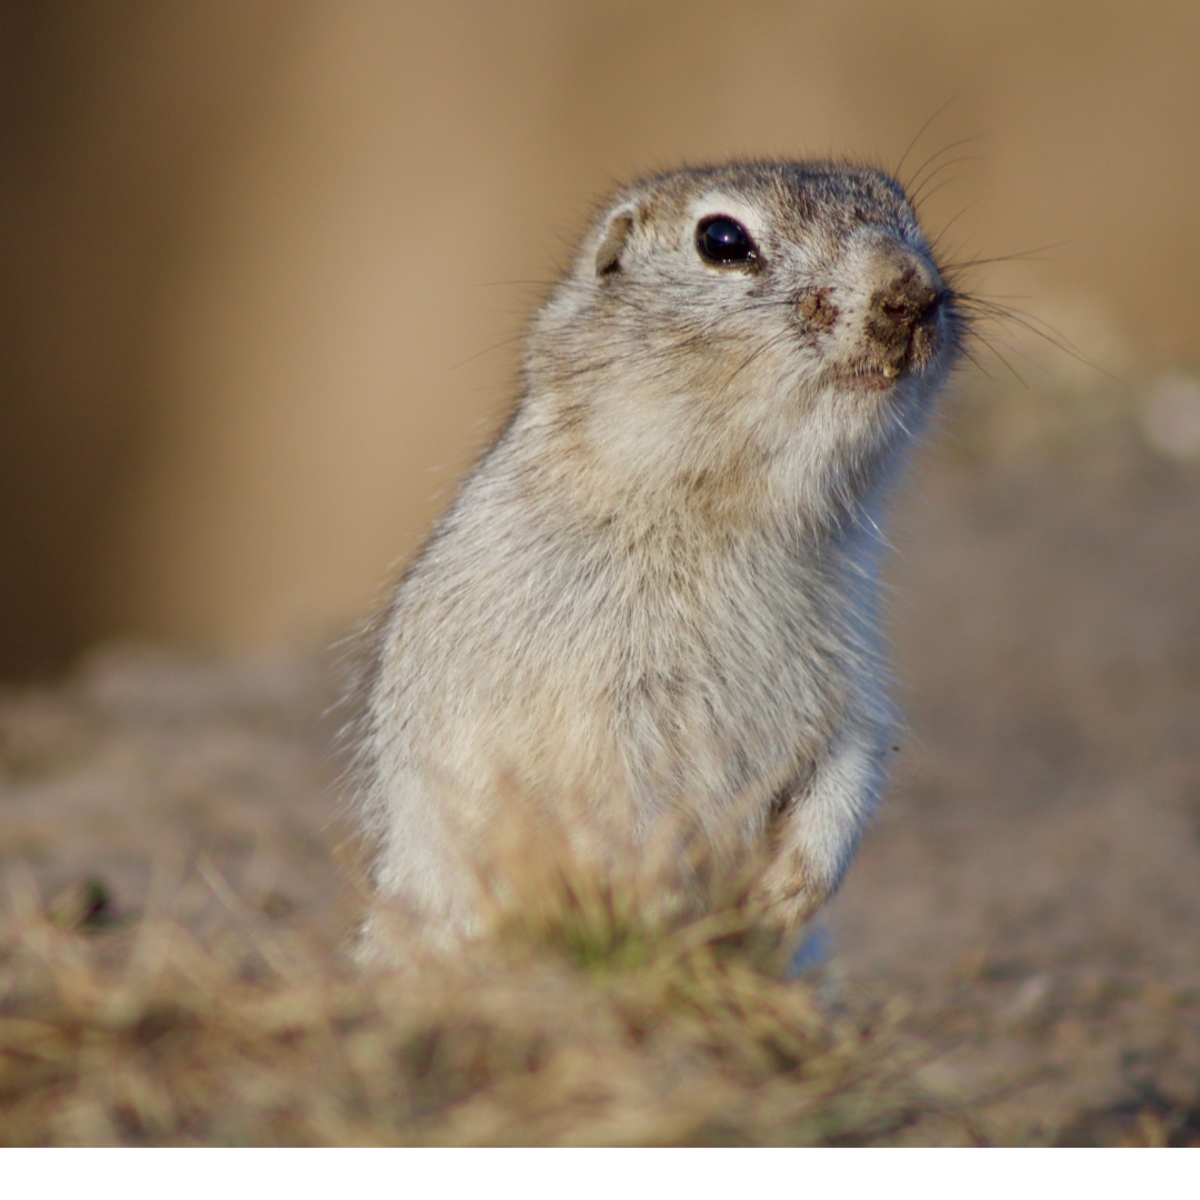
[1033, 888]
[1030, 896]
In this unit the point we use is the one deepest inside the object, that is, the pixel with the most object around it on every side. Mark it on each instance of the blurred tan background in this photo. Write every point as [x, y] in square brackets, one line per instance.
[264, 264]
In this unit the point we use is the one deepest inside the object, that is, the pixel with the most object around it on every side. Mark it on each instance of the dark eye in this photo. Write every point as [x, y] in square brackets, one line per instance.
[723, 241]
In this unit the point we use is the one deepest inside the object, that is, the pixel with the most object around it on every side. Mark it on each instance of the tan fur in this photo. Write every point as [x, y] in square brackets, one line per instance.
[654, 601]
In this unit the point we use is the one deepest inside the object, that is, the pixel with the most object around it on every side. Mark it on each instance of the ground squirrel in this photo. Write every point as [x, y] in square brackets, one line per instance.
[654, 600]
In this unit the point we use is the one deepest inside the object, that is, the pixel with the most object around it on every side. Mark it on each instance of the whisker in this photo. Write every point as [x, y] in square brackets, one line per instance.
[923, 197]
[914, 186]
[1020, 256]
[946, 228]
[915, 190]
[972, 358]
[1041, 329]
[937, 112]
[509, 341]
[1007, 365]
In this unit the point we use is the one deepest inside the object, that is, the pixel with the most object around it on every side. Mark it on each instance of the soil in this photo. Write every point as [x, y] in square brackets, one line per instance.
[1029, 898]
[1032, 890]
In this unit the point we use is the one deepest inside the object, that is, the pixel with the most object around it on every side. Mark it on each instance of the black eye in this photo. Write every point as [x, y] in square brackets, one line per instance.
[723, 241]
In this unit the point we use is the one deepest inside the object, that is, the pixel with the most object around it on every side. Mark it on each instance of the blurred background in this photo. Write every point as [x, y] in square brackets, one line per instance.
[265, 266]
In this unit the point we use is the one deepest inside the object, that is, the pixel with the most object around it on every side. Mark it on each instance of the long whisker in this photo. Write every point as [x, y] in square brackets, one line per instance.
[989, 343]
[920, 182]
[937, 112]
[972, 358]
[1021, 256]
[914, 185]
[946, 228]
[1038, 328]
[924, 196]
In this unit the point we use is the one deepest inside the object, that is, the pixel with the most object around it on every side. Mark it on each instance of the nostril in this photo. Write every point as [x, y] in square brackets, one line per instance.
[907, 303]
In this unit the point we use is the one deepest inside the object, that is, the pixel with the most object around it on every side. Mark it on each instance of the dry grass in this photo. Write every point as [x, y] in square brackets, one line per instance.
[217, 1004]
[588, 1029]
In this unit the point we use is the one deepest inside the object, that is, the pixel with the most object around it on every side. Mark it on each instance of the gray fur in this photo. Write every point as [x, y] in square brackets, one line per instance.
[655, 598]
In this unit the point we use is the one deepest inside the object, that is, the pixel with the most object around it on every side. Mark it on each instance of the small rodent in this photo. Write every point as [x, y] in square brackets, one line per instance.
[655, 598]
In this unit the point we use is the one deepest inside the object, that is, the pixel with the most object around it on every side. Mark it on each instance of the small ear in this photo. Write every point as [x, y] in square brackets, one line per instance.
[612, 244]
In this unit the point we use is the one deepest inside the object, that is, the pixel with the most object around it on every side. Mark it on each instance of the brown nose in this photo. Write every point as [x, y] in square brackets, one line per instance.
[907, 300]
[903, 307]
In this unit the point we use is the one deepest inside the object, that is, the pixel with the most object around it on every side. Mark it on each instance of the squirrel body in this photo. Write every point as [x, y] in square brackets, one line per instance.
[654, 600]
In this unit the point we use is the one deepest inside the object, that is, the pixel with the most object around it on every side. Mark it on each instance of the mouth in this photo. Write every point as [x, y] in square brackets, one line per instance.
[870, 378]
[874, 373]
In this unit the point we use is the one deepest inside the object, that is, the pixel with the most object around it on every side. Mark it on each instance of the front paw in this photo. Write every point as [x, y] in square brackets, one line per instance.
[786, 893]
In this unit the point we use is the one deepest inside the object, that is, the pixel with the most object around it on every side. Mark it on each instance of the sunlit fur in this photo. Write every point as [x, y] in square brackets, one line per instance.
[653, 605]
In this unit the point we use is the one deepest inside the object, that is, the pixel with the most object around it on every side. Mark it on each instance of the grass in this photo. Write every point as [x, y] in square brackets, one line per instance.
[584, 1026]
